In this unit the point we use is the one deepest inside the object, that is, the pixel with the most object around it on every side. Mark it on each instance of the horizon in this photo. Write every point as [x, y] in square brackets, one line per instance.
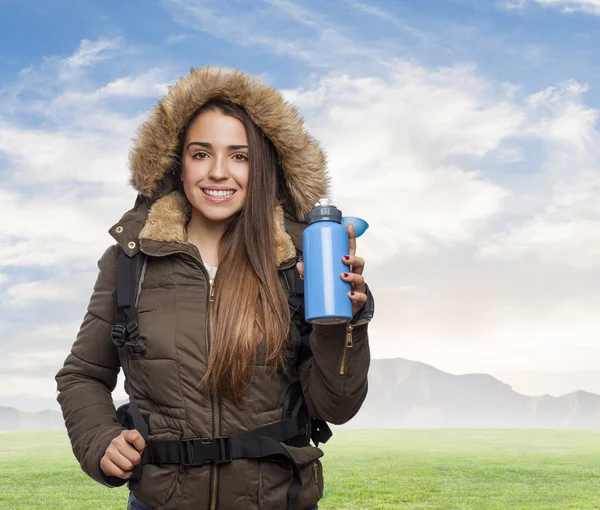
[46, 404]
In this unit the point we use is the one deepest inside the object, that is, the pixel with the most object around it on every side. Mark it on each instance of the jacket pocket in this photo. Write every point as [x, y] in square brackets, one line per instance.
[276, 478]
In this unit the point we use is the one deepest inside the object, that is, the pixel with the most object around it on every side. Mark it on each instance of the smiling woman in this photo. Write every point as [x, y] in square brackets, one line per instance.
[216, 170]
[228, 385]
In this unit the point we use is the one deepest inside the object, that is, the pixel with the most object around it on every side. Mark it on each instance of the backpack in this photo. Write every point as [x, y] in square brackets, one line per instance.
[296, 428]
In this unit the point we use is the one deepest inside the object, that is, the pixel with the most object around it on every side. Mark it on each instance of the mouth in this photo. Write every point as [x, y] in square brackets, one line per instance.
[218, 196]
[213, 193]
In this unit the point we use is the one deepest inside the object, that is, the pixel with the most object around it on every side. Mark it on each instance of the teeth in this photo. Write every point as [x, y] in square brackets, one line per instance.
[214, 193]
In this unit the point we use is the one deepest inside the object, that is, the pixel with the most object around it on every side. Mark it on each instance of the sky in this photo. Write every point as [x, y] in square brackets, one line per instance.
[464, 131]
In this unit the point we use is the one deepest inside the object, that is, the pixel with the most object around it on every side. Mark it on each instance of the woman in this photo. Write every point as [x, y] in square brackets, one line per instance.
[228, 378]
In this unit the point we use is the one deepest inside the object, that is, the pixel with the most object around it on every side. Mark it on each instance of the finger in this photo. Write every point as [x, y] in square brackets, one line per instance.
[358, 299]
[351, 240]
[119, 461]
[357, 265]
[129, 452]
[300, 268]
[109, 468]
[356, 280]
[135, 438]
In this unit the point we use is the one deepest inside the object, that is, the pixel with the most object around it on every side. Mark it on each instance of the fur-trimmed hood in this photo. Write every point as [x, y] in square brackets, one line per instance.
[154, 156]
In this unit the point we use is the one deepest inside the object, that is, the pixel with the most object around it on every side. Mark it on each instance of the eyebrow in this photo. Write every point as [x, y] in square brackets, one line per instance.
[209, 146]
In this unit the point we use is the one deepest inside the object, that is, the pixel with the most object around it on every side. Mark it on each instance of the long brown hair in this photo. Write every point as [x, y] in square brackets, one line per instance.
[250, 305]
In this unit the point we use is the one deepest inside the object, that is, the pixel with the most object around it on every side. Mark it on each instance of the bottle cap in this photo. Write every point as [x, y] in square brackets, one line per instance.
[324, 211]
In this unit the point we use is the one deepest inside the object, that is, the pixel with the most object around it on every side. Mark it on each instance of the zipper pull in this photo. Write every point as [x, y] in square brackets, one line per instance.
[349, 329]
[316, 473]
[212, 290]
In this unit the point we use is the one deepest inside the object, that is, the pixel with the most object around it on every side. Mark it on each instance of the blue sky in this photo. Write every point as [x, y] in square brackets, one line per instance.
[535, 43]
[474, 122]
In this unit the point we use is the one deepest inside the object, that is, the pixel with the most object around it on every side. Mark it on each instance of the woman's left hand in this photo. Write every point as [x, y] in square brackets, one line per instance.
[353, 276]
[357, 265]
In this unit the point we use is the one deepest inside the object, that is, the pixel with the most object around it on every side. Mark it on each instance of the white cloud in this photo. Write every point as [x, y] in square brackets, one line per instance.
[320, 43]
[566, 229]
[42, 156]
[32, 360]
[89, 53]
[589, 6]
[64, 184]
[61, 290]
[145, 85]
[586, 6]
[511, 5]
[382, 14]
[47, 232]
[24, 386]
[420, 154]
[407, 134]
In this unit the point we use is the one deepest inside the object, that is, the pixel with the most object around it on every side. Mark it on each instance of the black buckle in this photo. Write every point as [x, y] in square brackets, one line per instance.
[198, 451]
[118, 333]
[223, 449]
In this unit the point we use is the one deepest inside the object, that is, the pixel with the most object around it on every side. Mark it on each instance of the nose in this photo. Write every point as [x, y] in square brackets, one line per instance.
[219, 170]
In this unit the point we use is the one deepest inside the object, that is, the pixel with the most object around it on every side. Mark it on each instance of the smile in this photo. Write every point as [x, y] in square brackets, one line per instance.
[218, 193]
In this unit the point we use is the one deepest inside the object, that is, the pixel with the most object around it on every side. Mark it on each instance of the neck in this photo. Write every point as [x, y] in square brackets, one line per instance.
[206, 235]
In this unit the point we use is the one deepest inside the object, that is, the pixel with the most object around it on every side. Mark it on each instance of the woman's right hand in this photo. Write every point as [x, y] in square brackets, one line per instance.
[120, 457]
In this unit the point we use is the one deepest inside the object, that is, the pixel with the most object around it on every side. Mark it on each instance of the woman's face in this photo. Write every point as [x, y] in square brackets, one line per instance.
[215, 167]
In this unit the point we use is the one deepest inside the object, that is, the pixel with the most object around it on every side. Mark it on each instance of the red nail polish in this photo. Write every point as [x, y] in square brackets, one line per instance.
[346, 275]
[352, 293]
[346, 257]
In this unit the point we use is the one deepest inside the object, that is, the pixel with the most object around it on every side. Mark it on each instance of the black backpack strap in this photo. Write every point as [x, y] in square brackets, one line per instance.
[125, 335]
[299, 347]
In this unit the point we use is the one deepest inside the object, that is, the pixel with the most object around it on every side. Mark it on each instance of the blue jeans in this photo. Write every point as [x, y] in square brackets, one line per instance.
[135, 504]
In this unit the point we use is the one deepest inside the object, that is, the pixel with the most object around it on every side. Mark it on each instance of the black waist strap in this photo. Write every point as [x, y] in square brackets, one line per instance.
[199, 451]
[261, 443]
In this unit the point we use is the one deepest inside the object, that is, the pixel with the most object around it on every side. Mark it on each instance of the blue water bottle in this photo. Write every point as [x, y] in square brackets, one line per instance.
[324, 243]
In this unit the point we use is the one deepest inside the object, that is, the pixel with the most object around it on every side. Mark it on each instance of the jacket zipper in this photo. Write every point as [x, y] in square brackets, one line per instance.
[216, 410]
[215, 404]
[349, 343]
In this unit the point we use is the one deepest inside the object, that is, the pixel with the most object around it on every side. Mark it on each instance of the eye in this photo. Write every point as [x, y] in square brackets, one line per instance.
[199, 155]
[240, 157]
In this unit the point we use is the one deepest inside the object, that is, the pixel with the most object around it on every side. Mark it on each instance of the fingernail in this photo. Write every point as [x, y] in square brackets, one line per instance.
[346, 257]
[352, 293]
[346, 275]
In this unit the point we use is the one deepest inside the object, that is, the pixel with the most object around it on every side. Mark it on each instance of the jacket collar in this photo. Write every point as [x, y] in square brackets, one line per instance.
[161, 228]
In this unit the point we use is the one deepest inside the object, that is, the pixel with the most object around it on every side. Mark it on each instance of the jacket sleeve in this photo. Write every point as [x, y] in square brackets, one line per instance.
[89, 376]
[334, 378]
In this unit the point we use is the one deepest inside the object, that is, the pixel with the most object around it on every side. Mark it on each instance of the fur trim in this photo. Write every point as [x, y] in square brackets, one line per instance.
[282, 242]
[168, 218]
[154, 155]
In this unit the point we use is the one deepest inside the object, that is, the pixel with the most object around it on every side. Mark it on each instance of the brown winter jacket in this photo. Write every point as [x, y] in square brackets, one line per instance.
[173, 307]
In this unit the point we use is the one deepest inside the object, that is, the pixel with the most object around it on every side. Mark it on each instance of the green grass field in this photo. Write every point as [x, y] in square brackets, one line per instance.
[383, 469]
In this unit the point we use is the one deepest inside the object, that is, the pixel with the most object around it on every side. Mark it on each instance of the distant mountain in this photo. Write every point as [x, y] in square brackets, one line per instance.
[13, 419]
[410, 394]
